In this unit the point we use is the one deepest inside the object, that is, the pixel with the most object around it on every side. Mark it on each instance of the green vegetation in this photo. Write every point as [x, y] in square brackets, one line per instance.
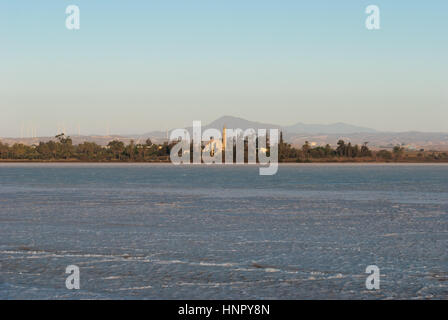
[62, 149]
[354, 153]
[343, 151]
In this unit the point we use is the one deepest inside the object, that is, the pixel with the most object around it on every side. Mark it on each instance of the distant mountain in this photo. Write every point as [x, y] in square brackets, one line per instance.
[298, 128]
[335, 128]
[225, 121]
[239, 123]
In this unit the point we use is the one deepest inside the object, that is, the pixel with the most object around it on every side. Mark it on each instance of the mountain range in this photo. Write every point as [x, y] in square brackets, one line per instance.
[240, 123]
[334, 128]
[297, 134]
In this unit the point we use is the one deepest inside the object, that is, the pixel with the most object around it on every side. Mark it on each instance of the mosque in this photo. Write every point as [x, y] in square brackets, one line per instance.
[214, 145]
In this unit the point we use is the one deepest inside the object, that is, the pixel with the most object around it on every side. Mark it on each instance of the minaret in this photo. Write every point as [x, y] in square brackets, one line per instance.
[224, 139]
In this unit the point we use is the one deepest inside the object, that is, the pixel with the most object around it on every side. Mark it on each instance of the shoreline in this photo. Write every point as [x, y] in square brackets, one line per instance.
[165, 163]
[325, 161]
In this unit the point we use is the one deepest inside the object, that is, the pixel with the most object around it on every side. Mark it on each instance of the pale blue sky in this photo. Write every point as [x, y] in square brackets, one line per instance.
[138, 66]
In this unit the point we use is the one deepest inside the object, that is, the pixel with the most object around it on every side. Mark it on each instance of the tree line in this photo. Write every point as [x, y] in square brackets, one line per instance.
[349, 152]
[63, 149]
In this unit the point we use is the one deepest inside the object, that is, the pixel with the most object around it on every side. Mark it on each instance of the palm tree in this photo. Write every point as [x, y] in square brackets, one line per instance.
[341, 149]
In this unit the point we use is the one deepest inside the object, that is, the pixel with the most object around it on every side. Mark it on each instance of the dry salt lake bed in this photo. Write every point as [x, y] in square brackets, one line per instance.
[150, 231]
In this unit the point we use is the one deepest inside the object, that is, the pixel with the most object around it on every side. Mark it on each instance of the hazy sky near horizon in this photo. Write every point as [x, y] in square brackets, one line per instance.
[137, 66]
